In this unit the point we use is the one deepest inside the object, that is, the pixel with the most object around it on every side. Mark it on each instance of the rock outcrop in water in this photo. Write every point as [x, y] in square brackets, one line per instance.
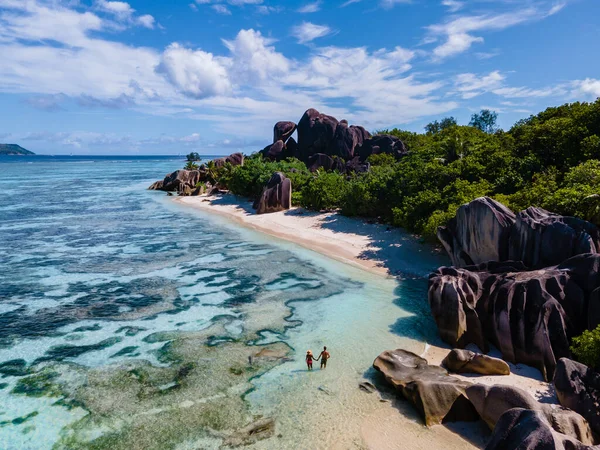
[177, 181]
[185, 182]
[485, 230]
[276, 195]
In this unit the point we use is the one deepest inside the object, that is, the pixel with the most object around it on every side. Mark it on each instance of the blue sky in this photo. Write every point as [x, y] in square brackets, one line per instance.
[213, 76]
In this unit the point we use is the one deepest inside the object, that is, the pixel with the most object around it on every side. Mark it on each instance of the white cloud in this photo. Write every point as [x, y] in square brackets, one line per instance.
[587, 87]
[453, 5]
[255, 57]
[307, 32]
[221, 9]
[195, 73]
[310, 8]
[470, 85]
[458, 32]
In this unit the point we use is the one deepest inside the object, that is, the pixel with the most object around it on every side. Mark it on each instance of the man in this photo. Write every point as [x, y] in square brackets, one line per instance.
[324, 356]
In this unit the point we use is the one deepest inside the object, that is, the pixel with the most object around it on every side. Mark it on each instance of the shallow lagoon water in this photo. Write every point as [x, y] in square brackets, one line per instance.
[122, 312]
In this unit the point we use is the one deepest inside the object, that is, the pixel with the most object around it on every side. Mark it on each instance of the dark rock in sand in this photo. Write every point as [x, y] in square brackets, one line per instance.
[528, 315]
[282, 131]
[466, 361]
[315, 133]
[479, 233]
[346, 139]
[522, 429]
[578, 388]
[251, 434]
[184, 190]
[437, 396]
[485, 230]
[276, 195]
[381, 143]
[493, 401]
[367, 387]
[540, 238]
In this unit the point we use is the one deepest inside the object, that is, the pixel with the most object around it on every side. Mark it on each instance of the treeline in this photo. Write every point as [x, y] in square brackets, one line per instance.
[549, 160]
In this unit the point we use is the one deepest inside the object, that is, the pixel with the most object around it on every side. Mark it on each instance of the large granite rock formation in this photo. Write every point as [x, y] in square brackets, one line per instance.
[578, 388]
[540, 238]
[529, 316]
[437, 396]
[315, 133]
[466, 361]
[523, 429]
[479, 233]
[177, 181]
[282, 131]
[276, 195]
[235, 159]
[346, 139]
[382, 143]
[485, 230]
[325, 162]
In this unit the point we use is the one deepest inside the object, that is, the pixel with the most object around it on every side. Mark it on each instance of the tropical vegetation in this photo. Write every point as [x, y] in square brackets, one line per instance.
[549, 160]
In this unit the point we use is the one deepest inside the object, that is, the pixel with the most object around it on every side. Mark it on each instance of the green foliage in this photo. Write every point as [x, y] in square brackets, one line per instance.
[191, 165]
[485, 120]
[324, 191]
[193, 157]
[586, 348]
[550, 160]
[437, 126]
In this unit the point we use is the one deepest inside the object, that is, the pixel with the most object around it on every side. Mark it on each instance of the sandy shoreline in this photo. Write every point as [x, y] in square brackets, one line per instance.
[374, 247]
[385, 252]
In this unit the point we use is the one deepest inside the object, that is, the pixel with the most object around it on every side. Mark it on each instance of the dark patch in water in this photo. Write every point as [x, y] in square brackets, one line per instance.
[14, 368]
[61, 352]
[127, 351]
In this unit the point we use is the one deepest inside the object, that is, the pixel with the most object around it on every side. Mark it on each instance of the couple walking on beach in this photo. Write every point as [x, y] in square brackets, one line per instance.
[324, 356]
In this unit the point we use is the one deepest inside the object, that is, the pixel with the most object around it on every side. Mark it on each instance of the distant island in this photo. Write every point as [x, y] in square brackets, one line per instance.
[13, 149]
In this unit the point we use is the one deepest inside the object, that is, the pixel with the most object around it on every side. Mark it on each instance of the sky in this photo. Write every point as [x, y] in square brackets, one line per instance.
[214, 76]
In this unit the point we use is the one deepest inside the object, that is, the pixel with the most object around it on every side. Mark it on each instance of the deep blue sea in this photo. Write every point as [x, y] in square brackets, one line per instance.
[130, 321]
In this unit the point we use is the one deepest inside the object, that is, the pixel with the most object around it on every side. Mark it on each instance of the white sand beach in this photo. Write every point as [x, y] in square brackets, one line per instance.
[387, 252]
[375, 247]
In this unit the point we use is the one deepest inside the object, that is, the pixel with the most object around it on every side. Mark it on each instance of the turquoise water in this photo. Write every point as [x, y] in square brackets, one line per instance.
[126, 320]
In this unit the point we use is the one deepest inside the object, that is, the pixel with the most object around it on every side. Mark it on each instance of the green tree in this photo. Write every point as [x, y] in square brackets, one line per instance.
[193, 157]
[485, 121]
[586, 348]
[438, 125]
[191, 165]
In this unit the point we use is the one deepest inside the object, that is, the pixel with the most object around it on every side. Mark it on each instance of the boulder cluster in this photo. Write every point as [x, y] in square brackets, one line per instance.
[195, 182]
[326, 143]
[516, 419]
[323, 143]
[526, 283]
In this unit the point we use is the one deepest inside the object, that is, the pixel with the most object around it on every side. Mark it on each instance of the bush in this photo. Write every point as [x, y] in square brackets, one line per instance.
[324, 191]
[586, 348]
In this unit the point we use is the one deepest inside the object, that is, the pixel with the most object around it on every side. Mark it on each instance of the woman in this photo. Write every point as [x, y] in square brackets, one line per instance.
[309, 359]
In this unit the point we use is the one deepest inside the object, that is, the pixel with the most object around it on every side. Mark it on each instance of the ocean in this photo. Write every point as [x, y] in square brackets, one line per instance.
[130, 321]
